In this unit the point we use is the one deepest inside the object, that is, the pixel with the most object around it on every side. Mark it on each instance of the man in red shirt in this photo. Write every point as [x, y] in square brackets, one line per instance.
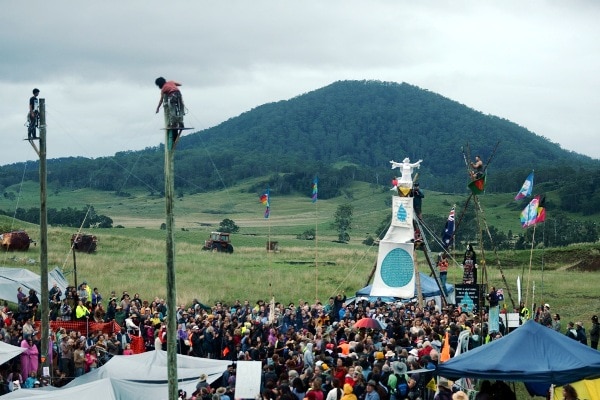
[169, 92]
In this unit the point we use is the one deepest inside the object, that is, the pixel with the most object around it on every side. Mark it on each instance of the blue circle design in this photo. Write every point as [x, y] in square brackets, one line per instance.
[397, 268]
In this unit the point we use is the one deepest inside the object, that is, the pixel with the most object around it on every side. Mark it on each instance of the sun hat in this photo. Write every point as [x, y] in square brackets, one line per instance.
[372, 383]
[203, 377]
[445, 383]
[399, 367]
[390, 354]
[221, 390]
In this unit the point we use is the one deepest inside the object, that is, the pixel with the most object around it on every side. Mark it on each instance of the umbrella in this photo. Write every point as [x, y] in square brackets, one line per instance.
[369, 323]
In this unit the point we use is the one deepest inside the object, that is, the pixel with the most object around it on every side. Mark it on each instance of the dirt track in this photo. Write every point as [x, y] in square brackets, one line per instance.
[589, 264]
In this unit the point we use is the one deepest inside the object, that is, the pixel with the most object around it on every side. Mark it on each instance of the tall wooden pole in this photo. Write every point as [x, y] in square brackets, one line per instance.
[43, 238]
[170, 135]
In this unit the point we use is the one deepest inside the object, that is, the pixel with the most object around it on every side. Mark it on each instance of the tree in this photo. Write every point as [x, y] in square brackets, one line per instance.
[228, 225]
[342, 221]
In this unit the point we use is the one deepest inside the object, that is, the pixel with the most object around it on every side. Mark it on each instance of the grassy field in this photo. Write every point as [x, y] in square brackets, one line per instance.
[133, 258]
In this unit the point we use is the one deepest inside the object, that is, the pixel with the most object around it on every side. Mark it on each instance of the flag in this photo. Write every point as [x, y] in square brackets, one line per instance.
[477, 186]
[445, 354]
[534, 212]
[315, 189]
[266, 201]
[526, 189]
[448, 234]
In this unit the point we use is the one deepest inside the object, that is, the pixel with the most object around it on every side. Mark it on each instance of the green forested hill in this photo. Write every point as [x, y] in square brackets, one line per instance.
[347, 131]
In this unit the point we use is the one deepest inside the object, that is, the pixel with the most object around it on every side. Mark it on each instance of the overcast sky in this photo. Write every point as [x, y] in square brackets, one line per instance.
[535, 63]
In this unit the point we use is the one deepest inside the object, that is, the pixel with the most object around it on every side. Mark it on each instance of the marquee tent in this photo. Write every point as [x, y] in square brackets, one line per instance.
[13, 278]
[531, 353]
[8, 352]
[140, 376]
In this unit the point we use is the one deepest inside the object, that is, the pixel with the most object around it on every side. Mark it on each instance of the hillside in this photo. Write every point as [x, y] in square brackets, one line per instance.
[345, 132]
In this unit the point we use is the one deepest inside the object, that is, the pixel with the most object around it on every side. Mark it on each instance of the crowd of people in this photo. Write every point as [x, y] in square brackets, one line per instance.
[312, 351]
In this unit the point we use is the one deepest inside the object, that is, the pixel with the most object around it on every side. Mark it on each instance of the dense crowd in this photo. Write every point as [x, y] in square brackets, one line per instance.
[312, 351]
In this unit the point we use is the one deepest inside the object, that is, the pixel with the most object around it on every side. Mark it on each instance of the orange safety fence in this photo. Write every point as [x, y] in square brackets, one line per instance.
[137, 342]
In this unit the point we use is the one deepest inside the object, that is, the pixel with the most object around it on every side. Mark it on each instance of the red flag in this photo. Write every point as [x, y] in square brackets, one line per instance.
[445, 355]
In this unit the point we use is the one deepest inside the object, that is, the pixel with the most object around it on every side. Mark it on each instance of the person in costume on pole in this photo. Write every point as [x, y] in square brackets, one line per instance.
[417, 200]
[477, 168]
[34, 113]
[169, 91]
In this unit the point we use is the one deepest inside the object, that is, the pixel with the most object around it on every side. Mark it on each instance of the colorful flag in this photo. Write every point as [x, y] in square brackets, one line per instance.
[534, 212]
[315, 189]
[477, 186]
[526, 189]
[266, 201]
[448, 235]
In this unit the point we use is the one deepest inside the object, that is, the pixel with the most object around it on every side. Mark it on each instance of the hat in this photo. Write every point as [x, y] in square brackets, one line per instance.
[414, 352]
[325, 367]
[221, 390]
[399, 367]
[379, 355]
[36, 382]
[293, 373]
[460, 395]
[195, 328]
[372, 383]
[385, 368]
[445, 383]
[390, 354]
[546, 305]
[329, 346]
[203, 377]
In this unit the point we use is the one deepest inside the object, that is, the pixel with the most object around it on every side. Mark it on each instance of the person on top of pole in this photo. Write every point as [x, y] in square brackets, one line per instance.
[33, 116]
[169, 91]
[477, 168]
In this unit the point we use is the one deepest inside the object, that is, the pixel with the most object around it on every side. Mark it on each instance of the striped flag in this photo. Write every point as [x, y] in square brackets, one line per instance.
[315, 189]
[526, 188]
[266, 201]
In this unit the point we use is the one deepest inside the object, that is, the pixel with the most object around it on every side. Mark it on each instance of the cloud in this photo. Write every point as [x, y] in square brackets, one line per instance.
[532, 63]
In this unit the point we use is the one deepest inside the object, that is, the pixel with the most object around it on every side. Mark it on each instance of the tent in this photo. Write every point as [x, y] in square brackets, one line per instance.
[8, 352]
[429, 288]
[12, 278]
[139, 376]
[531, 353]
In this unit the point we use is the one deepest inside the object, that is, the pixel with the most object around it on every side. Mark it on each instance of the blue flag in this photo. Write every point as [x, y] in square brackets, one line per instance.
[448, 235]
[526, 189]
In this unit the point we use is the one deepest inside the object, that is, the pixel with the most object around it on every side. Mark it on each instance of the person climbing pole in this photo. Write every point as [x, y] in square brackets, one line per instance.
[33, 115]
[169, 92]
[477, 168]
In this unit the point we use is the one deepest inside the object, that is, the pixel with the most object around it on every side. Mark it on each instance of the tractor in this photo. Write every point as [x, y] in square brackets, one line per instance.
[218, 241]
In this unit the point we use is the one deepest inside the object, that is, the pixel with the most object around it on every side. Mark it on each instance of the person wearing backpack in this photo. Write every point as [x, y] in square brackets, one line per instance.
[398, 381]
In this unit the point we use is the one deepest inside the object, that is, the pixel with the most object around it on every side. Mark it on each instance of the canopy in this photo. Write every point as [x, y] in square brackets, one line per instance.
[140, 376]
[12, 278]
[531, 353]
[8, 352]
[429, 288]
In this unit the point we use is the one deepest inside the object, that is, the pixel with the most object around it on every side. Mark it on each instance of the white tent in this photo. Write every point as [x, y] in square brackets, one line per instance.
[13, 278]
[140, 376]
[8, 352]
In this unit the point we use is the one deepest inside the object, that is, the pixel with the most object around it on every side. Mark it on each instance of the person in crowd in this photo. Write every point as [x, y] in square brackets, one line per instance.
[569, 393]
[594, 332]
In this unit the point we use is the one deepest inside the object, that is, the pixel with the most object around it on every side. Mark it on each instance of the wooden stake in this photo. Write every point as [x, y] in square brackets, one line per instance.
[170, 136]
[45, 303]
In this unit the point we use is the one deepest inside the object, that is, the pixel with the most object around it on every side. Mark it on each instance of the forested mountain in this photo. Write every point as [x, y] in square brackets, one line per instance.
[346, 131]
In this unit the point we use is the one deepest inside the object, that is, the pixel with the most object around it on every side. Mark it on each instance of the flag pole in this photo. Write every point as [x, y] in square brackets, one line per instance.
[316, 252]
[530, 263]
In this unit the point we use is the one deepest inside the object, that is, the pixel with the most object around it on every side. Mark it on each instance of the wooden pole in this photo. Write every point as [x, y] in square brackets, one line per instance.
[170, 135]
[45, 306]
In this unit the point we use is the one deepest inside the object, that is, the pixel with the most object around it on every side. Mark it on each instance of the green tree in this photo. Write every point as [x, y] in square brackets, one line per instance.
[228, 225]
[342, 221]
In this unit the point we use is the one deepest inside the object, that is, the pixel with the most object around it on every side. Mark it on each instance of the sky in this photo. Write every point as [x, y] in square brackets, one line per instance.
[534, 63]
